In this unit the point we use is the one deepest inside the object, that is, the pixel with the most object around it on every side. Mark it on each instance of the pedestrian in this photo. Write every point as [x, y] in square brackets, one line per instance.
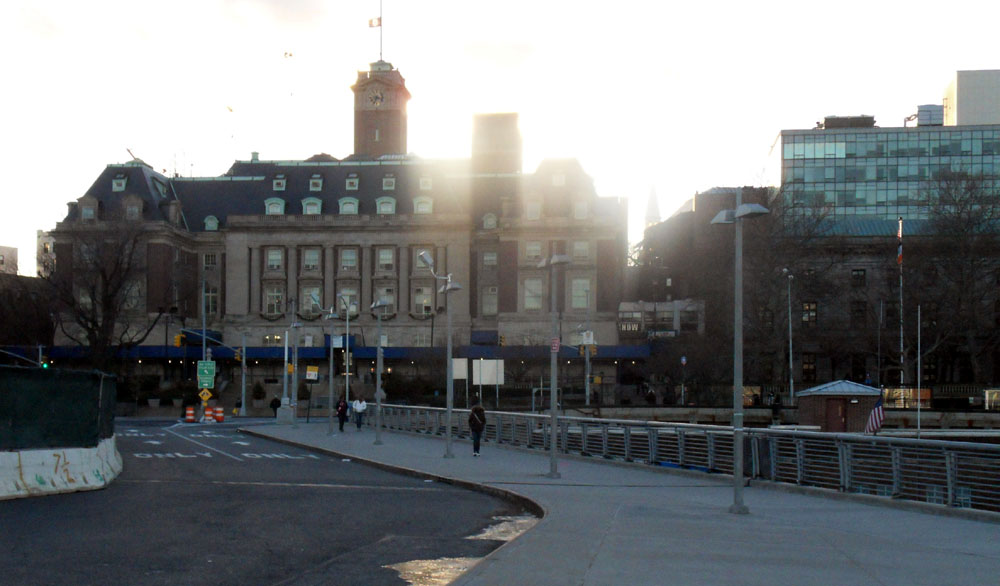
[275, 403]
[342, 412]
[359, 407]
[477, 423]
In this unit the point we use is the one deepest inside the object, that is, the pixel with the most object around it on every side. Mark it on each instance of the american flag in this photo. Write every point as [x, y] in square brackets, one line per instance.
[899, 237]
[876, 418]
[374, 22]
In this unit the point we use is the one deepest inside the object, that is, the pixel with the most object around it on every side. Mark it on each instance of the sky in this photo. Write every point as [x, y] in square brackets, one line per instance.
[651, 97]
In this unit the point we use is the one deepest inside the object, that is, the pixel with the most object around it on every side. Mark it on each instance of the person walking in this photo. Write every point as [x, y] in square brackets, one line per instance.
[342, 412]
[359, 407]
[275, 403]
[477, 423]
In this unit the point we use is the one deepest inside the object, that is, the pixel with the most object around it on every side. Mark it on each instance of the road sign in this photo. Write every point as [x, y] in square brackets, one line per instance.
[206, 374]
[205, 395]
[312, 373]
[555, 344]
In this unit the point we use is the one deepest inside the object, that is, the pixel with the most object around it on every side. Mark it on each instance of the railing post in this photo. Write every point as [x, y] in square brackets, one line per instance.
[680, 447]
[800, 460]
[652, 436]
[604, 440]
[951, 469]
[754, 456]
[897, 470]
[773, 447]
[711, 444]
[627, 437]
[583, 438]
[563, 435]
[844, 458]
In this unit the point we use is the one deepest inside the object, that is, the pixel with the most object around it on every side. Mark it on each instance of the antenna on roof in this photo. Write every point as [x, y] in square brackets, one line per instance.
[131, 155]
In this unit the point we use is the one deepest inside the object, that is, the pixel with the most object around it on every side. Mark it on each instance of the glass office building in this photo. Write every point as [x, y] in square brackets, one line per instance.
[882, 172]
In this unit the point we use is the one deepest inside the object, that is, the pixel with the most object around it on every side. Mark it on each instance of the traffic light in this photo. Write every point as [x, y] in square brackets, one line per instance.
[178, 339]
[583, 350]
[238, 356]
[502, 341]
[45, 361]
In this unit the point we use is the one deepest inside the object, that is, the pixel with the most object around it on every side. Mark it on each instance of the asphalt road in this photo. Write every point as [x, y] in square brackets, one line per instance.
[203, 504]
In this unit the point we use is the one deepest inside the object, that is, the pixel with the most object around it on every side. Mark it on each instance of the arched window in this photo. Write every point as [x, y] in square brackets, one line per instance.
[312, 206]
[349, 206]
[423, 205]
[274, 206]
[385, 205]
[489, 221]
[211, 223]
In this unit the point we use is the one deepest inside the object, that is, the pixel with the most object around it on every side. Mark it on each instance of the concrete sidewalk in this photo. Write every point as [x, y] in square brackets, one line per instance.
[607, 523]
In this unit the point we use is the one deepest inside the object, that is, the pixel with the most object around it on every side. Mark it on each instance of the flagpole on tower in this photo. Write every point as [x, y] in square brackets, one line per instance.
[377, 23]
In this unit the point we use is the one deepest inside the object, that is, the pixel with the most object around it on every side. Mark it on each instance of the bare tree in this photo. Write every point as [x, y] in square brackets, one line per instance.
[97, 282]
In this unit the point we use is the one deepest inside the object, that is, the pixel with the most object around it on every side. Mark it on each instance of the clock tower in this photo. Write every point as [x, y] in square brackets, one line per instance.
[380, 98]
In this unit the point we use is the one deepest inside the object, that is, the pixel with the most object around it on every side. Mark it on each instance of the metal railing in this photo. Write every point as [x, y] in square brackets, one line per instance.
[947, 473]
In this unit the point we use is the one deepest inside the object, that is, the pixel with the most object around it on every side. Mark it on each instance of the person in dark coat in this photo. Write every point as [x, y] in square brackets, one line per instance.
[275, 403]
[477, 423]
[342, 412]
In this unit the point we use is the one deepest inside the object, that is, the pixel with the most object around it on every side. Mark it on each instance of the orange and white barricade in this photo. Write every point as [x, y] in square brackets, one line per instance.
[189, 414]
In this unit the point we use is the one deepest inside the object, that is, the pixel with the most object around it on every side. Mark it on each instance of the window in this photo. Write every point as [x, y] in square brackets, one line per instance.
[489, 259]
[533, 250]
[210, 261]
[351, 184]
[87, 213]
[423, 205]
[312, 206]
[348, 293]
[132, 294]
[858, 278]
[388, 183]
[581, 250]
[132, 212]
[580, 294]
[274, 299]
[532, 294]
[211, 223]
[274, 259]
[533, 210]
[274, 206]
[426, 184]
[558, 179]
[490, 295]
[385, 205]
[809, 314]
[580, 210]
[387, 294]
[273, 340]
[310, 259]
[423, 301]
[489, 221]
[348, 206]
[808, 367]
[316, 182]
[211, 300]
[859, 314]
[311, 297]
[119, 182]
[348, 259]
[386, 259]
[279, 183]
[419, 262]
[421, 339]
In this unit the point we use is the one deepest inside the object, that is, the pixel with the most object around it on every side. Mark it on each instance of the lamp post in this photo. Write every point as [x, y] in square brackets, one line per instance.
[450, 392]
[243, 374]
[555, 259]
[791, 371]
[331, 315]
[742, 211]
[379, 305]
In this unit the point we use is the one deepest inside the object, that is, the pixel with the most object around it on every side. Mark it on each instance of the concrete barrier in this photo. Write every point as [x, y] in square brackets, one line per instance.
[52, 471]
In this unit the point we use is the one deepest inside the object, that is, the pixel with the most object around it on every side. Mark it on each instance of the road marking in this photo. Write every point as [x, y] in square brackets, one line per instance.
[154, 442]
[279, 456]
[207, 447]
[148, 455]
[242, 443]
[365, 487]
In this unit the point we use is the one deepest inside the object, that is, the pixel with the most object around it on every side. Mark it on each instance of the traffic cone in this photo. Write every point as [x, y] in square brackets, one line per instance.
[189, 414]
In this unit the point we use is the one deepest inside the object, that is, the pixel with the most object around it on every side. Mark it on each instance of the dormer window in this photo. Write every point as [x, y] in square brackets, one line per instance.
[132, 211]
[348, 206]
[580, 210]
[558, 180]
[279, 182]
[533, 210]
[423, 205]
[388, 183]
[274, 206]
[119, 182]
[312, 206]
[211, 223]
[426, 184]
[87, 212]
[385, 206]
[489, 221]
[316, 182]
[352, 182]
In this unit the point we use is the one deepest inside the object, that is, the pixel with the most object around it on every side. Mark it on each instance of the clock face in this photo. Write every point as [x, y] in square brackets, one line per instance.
[376, 98]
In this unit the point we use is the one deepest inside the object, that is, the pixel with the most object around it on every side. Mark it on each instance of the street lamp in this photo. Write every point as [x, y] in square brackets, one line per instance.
[347, 355]
[380, 305]
[742, 211]
[791, 371]
[450, 393]
[555, 259]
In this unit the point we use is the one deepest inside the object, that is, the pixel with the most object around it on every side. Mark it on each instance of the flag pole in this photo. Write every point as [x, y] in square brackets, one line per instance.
[919, 324]
[899, 260]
